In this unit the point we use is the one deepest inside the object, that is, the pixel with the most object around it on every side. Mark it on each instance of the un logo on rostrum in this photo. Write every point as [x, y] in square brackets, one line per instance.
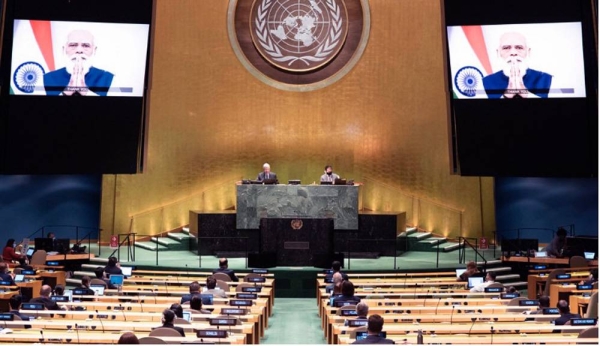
[299, 35]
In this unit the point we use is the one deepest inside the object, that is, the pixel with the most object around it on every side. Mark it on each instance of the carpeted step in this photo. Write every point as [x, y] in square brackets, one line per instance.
[179, 236]
[150, 245]
[409, 231]
[516, 284]
[186, 230]
[433, 241]
[449, 247]
[502, 278]
[498, 270]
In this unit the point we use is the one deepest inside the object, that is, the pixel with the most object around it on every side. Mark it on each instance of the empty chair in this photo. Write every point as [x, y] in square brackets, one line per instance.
[223, 285]
[591, 332]
[179, 320]
[592, 309]
[251, 275]
[347, 307]
[222, 276]
[151, 340]
[240, 286]
[164, 332]
[515, 302]
[578, 262]
[98, 282]
[549, 279]
[38, 258]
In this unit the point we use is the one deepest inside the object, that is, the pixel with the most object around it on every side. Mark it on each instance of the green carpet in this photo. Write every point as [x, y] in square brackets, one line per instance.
[294, 321]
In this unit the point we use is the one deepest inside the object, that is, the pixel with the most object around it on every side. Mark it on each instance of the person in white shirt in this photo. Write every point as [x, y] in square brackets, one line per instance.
[490, 278]
[329, 176]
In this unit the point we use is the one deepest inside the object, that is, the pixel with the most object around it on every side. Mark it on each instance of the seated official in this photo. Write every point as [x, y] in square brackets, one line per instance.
[9, 254]
[128, 338]
[543, 303]
[99, 271]
[168, 318]
[347, 294]
[45, 299]
[266, 173]
[374, 327]
[15, 305]
[490, 278]
[336, 286]
[329, 176]
[471, 270]
[557, 245]
[5, 275]
[113, 267]
[224, 268]
[565, 314]
[196, 305]
[336, 267]
[592, 279]
[177, 310]
[24, 264]
[211, 288]
[362, 311]
[194, 290]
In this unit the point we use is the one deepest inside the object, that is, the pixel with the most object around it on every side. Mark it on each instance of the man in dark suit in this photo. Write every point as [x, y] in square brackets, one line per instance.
[565, 314]
[374, 327]
[194, 290]
[99, 271]
[15, 304]
[44, 298]
[224, 268]
[168, 318]
[336, 266]
[266, 173]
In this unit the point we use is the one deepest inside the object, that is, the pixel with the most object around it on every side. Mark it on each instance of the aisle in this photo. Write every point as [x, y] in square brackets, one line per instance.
[294, 321]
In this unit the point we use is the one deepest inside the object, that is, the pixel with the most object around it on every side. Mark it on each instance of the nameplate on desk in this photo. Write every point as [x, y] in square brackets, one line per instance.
[256, 279]
[52, 263]
[349, 313]
[28, 272]
[296, 245]
[528, 302]
[329, 280]
[211, 333]
[357, 323]
[327, 271]
[550, 311]
[253, 289]
[232, 311]
[246, 296]
[32, 306]
[583, 321]
[339, 304]
[509, 295]
[260, 271]
[584, 287]
[5, 283]
[222, 321]
[61, 299]
[7, 317]
[539, 267]
[493, 289]
[240, 302]
[563, 276]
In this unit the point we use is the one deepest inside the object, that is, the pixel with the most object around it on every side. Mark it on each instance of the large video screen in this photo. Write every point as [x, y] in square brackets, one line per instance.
[78, 58]
[56, 50]
[522, 82]
[516, 60]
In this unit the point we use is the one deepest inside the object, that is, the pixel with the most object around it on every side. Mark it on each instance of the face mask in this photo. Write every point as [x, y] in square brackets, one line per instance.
[329, 173]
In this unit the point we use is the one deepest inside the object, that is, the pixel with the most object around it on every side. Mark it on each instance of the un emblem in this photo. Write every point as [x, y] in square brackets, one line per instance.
[298, 45]
[299, 35]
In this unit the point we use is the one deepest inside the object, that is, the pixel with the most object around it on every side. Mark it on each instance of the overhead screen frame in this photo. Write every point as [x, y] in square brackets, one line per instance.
[73, 135]
[554, 137]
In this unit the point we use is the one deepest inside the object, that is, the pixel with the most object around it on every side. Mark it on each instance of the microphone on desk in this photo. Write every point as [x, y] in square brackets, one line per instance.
[141, 303]
[123, 312]
[42, 339]
[101, 323]
[166, 287]
[77, 331]
[452, 314]
[492, 332]
[425, 300]
[155, 294]
[474, 319]
[437, 305]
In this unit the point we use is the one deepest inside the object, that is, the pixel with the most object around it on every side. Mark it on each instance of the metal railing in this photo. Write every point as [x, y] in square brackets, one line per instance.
[62, 231]
[463, 242]
[130, 239]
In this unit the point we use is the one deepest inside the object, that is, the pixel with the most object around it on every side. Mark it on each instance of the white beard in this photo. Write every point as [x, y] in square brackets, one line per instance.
[86, 61]
[521, 63]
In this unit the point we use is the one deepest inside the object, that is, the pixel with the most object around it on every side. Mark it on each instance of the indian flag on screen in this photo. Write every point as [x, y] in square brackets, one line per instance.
[32, 56]
[469, 61]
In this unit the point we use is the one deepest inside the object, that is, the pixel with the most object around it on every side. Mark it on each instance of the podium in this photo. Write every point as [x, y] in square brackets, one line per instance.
[297, 241]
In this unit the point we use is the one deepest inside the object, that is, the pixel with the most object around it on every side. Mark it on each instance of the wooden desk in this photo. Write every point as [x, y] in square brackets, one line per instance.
[534, 280]
[70, 257]
[501, 339]
[34, 286]
[546, 260]
[54, 278]
[558, 290]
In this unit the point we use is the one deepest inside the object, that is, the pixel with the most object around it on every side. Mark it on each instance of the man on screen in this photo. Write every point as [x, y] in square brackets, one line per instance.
[516, 79]
[78, 77]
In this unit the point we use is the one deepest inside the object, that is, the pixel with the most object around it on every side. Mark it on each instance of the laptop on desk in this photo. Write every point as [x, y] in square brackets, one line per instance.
[340, 182]
[589, 255]
[541, 254]
[269, 181]
[19, 278]
[474, 281]
[460, 272]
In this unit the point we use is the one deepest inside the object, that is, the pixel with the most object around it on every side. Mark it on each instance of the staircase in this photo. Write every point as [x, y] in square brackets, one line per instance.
[425, 241]
[504, 274]
[173, 241]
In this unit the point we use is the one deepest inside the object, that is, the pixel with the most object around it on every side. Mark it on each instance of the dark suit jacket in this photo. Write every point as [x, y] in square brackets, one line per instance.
[261, 176]
[564, 319]
[228, 272]
[170, 325]
[187, 297]
[536, 82]
[97, 80]
[374, 339]
[6, 277]
[113, 270]
[48, 303]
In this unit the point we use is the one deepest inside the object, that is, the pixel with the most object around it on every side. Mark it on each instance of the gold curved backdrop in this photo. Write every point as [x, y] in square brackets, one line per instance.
[212, 123]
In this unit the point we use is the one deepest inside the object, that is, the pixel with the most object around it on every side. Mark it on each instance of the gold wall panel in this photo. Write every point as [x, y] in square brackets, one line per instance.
[212, 123]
